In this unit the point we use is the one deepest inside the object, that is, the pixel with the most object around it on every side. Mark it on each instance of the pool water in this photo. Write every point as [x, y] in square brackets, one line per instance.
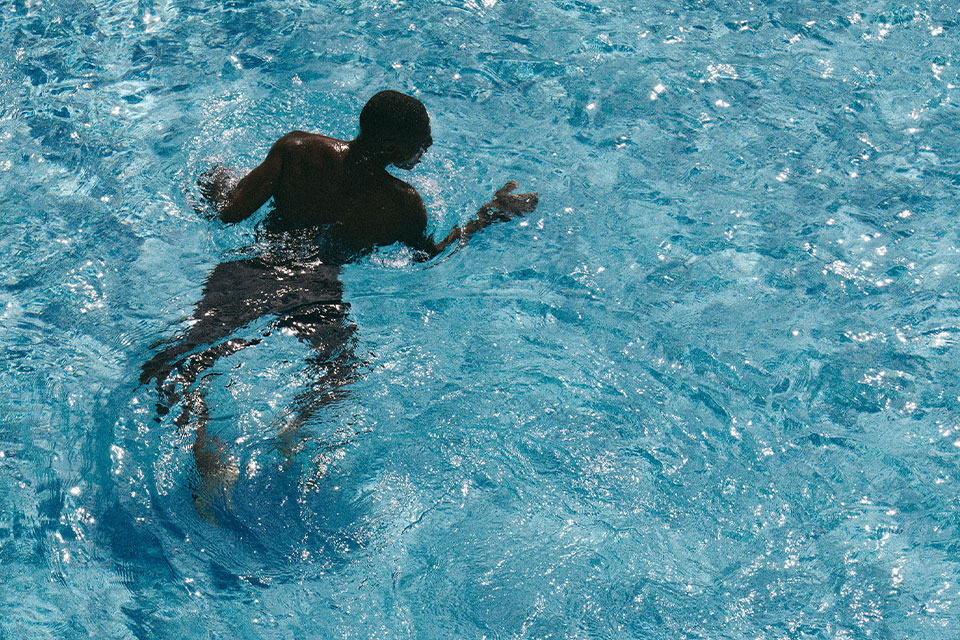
[709, 389]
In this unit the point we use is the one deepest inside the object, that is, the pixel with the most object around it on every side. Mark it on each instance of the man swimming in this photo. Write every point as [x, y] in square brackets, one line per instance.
[341, 190]
[316, 180]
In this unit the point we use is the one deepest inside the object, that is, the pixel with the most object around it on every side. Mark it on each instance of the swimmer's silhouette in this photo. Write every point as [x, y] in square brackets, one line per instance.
[339, 194]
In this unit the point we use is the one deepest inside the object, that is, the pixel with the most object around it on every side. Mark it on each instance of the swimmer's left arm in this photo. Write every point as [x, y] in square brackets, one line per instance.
[504, 206]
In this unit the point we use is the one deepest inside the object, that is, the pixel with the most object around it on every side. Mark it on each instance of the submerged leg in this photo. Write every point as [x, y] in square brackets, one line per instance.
[235, 294]
[217, 468]
[323, 323]
[307, 300]
[327, 387]
[189, 369]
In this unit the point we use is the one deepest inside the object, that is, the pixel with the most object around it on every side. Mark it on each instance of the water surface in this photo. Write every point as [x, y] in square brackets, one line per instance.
[708, 390]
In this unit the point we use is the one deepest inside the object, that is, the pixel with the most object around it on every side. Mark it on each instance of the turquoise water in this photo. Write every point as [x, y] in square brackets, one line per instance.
[707, 390]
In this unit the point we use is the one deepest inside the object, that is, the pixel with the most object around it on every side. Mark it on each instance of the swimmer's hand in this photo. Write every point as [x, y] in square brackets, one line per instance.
[215, 183]
[506, 205]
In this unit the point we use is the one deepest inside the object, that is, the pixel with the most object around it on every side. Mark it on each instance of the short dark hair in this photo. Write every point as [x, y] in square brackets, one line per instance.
[394, 115]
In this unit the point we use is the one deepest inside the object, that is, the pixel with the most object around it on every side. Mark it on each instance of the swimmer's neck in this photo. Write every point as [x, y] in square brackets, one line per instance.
[367, 157]
[361, 159]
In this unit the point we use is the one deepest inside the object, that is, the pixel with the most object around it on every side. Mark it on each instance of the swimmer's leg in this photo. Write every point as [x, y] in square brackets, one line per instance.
[189, 369]
[217, 469]
[332, 336]
[327, 387]
[235, 294]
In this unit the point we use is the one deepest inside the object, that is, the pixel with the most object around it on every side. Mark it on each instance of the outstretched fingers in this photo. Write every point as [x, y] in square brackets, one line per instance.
[527, 202]
[511, 204]
[507, 188]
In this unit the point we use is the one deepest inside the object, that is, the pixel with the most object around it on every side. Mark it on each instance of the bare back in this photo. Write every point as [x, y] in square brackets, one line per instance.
[314, 180]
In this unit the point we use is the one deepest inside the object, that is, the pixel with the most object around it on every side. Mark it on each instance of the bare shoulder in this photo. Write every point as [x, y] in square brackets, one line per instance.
[311, 143]
[410, 202]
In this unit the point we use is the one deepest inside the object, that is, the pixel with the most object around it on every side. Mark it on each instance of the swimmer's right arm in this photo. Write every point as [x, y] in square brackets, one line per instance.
[256, 187]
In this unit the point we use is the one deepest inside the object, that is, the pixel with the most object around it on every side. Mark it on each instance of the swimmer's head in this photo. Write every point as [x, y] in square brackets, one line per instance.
[396, 128]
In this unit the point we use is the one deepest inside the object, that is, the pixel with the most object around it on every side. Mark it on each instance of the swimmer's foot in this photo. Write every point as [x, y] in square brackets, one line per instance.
[321, 464]
[215, 488]
[218, 471]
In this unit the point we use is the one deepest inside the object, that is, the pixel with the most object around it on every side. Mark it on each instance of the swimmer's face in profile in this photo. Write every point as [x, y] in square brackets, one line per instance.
[414, 159]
